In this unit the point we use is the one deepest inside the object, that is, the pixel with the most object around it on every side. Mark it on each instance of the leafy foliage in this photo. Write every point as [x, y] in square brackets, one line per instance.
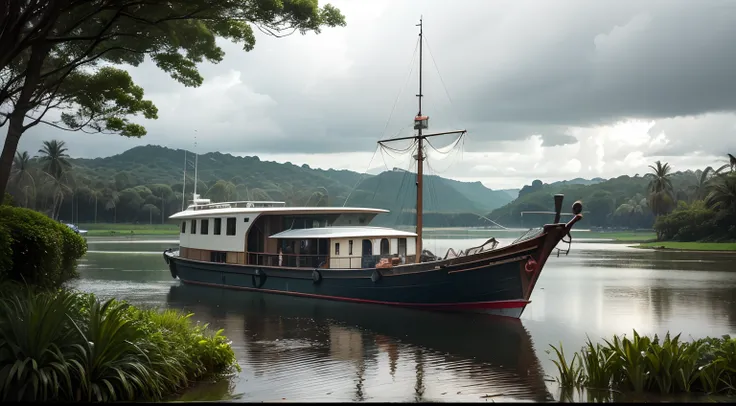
[123, 188]
[643, 364]
[62, 55]
[42, 251]
[60, 345]
[665, 200]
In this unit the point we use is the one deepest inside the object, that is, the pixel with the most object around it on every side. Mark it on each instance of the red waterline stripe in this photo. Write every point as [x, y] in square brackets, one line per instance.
[500, 304]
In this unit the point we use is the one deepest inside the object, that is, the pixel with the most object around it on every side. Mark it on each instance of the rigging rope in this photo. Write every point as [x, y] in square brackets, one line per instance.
[411, 66]
[361, 177]
[452, 105]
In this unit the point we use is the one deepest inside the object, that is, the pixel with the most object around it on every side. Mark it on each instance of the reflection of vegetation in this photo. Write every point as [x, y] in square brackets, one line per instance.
[642, 364]
[222, 389]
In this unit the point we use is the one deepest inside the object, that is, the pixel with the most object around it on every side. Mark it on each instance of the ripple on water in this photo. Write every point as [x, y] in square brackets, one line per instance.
[298, 349]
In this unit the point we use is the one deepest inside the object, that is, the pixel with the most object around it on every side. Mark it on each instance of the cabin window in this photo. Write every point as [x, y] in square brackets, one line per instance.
[337, 248]
[217, 256]
[402, 246]
[230, 226]
[217, 226]
[385, 247]
[183, 227]
[350, 247]
[193, 228]
[204, 228]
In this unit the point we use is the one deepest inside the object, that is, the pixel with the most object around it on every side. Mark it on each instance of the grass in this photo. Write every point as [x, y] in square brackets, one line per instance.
[690, 246]
[122, 229]
[58, 345]
[642, 364]
[633, 236]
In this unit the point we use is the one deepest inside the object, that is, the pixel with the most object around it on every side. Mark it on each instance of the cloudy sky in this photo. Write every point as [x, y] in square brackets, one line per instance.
[547, 90]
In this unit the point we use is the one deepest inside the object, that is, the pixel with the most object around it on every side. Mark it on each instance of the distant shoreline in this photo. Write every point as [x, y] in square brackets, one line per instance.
[677, 246]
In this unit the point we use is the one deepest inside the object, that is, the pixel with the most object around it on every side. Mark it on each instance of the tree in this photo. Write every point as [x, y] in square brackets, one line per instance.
[52, 51]
[22, 178]
[53, 158]
[661, 199]
[722, 195]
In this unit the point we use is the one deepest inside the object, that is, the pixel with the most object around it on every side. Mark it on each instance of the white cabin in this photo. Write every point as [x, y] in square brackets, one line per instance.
[270, 234]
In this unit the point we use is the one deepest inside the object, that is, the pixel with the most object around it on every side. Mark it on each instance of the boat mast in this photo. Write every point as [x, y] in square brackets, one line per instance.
[184, 185]
[420, 156]
[420, 123]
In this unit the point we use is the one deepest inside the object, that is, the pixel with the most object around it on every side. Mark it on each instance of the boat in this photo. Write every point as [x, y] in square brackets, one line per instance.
[333, 253]
[76, 229]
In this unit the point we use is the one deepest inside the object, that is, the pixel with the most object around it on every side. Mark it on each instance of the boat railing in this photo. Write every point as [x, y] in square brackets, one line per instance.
[238, 204]
[313, 261]
[531, 233]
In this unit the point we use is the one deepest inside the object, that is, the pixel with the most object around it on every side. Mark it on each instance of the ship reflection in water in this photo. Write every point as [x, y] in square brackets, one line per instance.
[299, 349]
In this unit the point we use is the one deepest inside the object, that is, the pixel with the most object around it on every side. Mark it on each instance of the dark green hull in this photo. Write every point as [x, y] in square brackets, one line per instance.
[499, 281]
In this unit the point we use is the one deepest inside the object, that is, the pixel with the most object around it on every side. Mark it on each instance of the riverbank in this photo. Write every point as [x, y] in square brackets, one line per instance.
[690, 246]
[121, 229]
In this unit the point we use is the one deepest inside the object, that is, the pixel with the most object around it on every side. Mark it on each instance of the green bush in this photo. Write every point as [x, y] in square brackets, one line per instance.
[37, 249]
[65, 346]
[687, 223]
[643, 364]
[8, 200]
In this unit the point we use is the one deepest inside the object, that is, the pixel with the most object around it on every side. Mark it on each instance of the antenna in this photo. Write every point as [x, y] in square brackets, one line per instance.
[196, 157]
[184, 185]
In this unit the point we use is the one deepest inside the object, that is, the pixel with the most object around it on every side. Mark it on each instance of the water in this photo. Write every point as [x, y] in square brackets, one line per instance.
[298, 349]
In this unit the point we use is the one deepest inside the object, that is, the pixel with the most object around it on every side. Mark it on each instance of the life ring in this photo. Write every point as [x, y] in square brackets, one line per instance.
[316, 276]
[531, 265]
[375, 276]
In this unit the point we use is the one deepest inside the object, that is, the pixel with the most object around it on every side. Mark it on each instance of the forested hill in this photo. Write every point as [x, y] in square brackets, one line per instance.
[251, 178]
[616, 202]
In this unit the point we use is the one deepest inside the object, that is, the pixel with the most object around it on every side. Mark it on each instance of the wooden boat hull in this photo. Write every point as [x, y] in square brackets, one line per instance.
[496, 282]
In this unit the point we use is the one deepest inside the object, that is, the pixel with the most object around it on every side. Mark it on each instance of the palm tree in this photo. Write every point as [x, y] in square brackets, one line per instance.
[58, 187]
[722, 194]
[111, 199]
[632, 210]
[699, 190]
[661, 197]
[95, 195]
[222, 191]
[54, 158]
[21, 177]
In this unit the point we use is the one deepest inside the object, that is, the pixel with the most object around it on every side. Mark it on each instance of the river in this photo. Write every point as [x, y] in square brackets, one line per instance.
[298, 349]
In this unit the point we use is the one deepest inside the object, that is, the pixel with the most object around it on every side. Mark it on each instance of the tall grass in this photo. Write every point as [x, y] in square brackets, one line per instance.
[67, 346]
[643, 364]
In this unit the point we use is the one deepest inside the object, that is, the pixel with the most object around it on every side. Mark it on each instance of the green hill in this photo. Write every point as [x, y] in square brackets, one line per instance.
[602, 201]
[146, 168]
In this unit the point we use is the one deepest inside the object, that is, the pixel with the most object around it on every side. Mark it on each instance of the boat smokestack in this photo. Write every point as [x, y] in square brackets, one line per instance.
[558, 207]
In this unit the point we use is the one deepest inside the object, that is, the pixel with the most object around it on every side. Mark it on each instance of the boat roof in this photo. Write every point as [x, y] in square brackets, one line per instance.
[342, 232]
[186, 214]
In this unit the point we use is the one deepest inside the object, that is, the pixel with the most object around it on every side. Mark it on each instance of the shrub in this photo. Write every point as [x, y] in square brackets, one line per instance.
[8, 200]
[644, 364]
[59, 345]
[687, 223]
[37, 249]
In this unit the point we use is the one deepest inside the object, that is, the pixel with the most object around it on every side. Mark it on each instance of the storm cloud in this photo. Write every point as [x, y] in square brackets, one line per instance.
[555, 78]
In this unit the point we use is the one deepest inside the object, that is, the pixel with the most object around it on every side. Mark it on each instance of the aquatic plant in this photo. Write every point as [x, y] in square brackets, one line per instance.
[643, 364]
[61, 345]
